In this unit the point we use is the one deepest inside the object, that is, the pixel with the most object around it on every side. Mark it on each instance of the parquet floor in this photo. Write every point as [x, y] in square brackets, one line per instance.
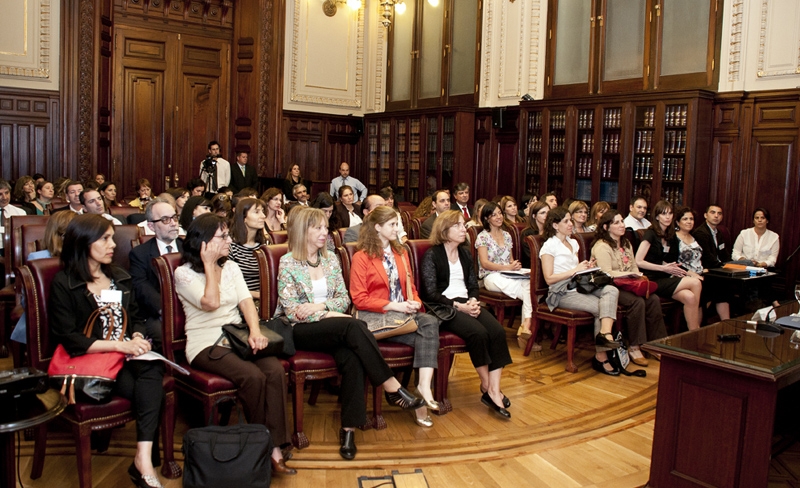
[567, 430]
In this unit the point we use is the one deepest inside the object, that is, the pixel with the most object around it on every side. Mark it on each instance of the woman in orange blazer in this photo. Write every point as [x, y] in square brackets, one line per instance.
[379, 279]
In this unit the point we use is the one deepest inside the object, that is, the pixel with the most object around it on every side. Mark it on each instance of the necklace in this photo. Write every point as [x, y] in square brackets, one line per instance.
[319, 260]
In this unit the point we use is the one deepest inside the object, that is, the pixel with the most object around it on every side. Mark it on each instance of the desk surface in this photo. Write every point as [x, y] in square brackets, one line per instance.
[33, 411]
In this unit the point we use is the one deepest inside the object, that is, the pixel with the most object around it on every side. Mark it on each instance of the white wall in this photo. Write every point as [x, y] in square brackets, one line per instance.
[29, 44]
[760, 45]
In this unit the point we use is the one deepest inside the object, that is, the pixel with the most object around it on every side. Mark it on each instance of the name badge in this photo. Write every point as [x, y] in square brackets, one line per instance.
[111, 296]
[722, 246]
[666, 248]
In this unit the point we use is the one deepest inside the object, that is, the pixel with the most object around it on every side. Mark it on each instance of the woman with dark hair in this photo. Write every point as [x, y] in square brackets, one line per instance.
[388, 196]
[448, 278]
[181, 195]
[657, 256]
[475, 221]
[349, 212]
[559, 255]
[526, 203]
[25, 193]
[108, 190]
[535, 220]
[90, 281]
[194, 207]
[494, 247]
[247, 231]
[313, 296]
[221, 205]
[597, 211]
[380, 276]
[45, 191]
[213, 293]
[614, 255]
[760, 246]
[324, 202]
[510, 211]
[145, 191]
[276, 217]
[293, 177]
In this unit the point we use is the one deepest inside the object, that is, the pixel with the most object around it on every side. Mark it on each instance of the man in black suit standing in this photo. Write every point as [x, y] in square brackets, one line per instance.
[714, 238]
[163, 221]
[243, 175]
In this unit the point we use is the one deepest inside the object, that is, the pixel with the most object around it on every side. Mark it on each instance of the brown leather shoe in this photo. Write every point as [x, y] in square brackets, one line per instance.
[279, 467]
[640, 361]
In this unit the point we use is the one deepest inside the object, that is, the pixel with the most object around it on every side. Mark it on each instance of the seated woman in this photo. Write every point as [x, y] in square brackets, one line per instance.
[475, 221]
[213, 293]
[75, 293]
[579, 212]
[181, 195]
[379, 279]
[494, 255]
[45, 192]
[448, 278]
[293, 177]
[559, 255]
[221, 205]
[312, 295]
[276, 217]
[597, 211]
[658, 257]
[248, 234]
[145, 191]
[25, 194]
[613, 253]
[760, 246]
[109, 192]
[690, 255]
[535, 220]
[324, 202]
[194, 207]
[510, 211]
[424, 209]
[388, 196]
[349, 213]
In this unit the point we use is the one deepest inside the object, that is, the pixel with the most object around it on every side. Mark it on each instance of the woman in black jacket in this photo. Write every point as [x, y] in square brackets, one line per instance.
[448, 278]
[89, 281]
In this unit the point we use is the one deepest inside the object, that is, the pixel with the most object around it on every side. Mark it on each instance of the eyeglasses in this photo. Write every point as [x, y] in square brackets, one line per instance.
[166, 220]
[224, 236]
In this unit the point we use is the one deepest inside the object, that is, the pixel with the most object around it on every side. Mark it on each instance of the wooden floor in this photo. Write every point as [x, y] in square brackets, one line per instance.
[567, 430]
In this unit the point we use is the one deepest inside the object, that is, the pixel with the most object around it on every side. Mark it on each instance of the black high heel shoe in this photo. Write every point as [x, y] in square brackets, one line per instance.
[599, 366]
[404, 399]
[487, 400]
[506, 401]
[347, 442]
[602, 340]
[141, 480]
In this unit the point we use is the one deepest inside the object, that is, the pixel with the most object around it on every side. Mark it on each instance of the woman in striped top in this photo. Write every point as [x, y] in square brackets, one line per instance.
[248, 235]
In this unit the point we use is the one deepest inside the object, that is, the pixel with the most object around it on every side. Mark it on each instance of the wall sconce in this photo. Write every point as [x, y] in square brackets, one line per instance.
[330, 6]
[387, 5]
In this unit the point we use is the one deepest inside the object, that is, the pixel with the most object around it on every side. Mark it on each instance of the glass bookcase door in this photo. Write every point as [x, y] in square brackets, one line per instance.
[533, 158]
[373, 141]
[623, 56]
[430, 52]
[401, 158]
[673, 161]
[573, 32]
[383, 158]
[584, 155]
[466, 15]
[610, 161]
[556, 154]
[644, 152]
[402, 56]
[414, 135]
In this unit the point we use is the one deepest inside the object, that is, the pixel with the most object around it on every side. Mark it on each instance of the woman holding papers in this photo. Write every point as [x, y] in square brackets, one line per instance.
[614, 255]
[559, 255]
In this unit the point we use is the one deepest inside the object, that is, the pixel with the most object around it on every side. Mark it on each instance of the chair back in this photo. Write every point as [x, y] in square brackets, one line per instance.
[414, 229]
[337, 239]
[124, 235]
[279, 236]
[173, 320]
[136, 219]
[405, 218]
[269, 260]
[406, 207]
[36, 277]
[123, 211]
[341, 233]
[11, 241]
[539, 286]
[416, 250]
[585, 241]
[30, 234]
[472, 234]
[346, 252]
[517, 228]
[634, 238]
[144, 238]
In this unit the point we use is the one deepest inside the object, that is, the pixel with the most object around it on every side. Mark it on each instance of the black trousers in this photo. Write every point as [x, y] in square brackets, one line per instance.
[643, 317]
[485, 338]
[153, 331]
[261, 387]
[141, 383]
[357, 355]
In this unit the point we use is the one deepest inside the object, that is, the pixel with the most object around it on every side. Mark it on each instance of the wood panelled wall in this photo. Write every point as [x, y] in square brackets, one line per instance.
[29, 133]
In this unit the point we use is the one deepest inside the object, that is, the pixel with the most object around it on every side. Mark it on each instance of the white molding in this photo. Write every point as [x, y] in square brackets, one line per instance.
[42, 45]
[766, 37]
[735, 45]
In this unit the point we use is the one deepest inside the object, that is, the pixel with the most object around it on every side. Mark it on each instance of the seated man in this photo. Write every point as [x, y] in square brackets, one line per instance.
[636, 218]
[370, 203]
[441, 203]
[92, 203]
[714, 238]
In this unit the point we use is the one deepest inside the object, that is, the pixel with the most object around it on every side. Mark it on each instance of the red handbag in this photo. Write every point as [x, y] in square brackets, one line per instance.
[639, 286]
[91, 375]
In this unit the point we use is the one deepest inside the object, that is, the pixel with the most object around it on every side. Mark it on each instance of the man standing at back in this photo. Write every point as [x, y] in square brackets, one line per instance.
[163, 221]
[714, 238]
[344, 178]
[214, 170]
[441, 203]
[243, 174]
[635, 219]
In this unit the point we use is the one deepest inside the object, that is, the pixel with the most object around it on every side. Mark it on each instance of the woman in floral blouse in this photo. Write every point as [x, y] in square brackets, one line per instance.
[312, 295]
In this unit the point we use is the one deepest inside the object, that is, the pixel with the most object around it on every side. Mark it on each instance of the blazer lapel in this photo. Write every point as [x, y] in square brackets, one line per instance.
[377, 264]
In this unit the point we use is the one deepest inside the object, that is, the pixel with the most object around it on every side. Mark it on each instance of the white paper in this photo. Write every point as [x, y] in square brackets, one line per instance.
[154, 356]
[590, 270]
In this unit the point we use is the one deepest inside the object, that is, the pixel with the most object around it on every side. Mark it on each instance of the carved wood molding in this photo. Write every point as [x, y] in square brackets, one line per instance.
[42, 70]
[735, 47]
[265, 152]
[488, 24]
[533, 51]
[85, 89]
[763, 71]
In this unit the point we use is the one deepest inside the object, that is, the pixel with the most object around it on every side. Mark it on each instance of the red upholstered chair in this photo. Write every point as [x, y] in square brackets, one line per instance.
[516, 232]
[279, 236]
[496, 300]
[449, 343]
[541, 312]
[29, 240]
[342, 231]
[414, 229]
[144, 238]
[208, 388]
[84, 418]
[124, 236]
[122, 212]
[304, 366]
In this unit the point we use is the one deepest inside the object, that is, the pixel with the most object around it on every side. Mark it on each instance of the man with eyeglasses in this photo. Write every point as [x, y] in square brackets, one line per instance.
[162, 220]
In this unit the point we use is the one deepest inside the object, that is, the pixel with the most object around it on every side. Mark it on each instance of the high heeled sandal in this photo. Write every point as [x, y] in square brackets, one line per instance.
[143, 480]
[404, 399]
[602, 340]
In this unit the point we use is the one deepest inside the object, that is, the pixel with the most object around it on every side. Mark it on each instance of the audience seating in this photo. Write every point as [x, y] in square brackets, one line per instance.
[144, 238]
[670, 307]
[497, 301]
[30, 240]
[342, 231]
[84, 418]
[541, 312]
[124, 236]
[278, 236]
[208, 388]
[123, 212]
[414, 229]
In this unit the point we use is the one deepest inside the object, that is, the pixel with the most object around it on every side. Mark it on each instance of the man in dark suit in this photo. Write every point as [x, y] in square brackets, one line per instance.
[243, 175]
[713, 238]
[441, 204]
[163, 221]
[461, 200]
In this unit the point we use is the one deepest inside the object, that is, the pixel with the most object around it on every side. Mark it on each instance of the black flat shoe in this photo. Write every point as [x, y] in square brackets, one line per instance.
[141, 480]
[506, 401]
[602, 340]
[404, 399]
[598, 366]
[347, 440]
[487, 400]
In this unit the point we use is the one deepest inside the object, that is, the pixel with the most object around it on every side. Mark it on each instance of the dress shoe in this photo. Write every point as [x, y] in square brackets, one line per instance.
[426, 422]
[404, 399]
[347, 441]
[506, 401]
[598, 366]
[279, 467]
[143, 481]
[640, 361]
[602, 340]
[431, 404]
[487, 400]
[286, 453]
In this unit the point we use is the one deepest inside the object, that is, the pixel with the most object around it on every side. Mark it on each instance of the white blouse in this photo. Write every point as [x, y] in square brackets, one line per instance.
[563, 258]
[749, 246]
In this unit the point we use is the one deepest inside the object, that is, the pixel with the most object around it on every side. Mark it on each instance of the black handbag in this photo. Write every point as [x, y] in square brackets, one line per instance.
[443, 312]
[234, 455]
[238, 334]
[587, 283]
